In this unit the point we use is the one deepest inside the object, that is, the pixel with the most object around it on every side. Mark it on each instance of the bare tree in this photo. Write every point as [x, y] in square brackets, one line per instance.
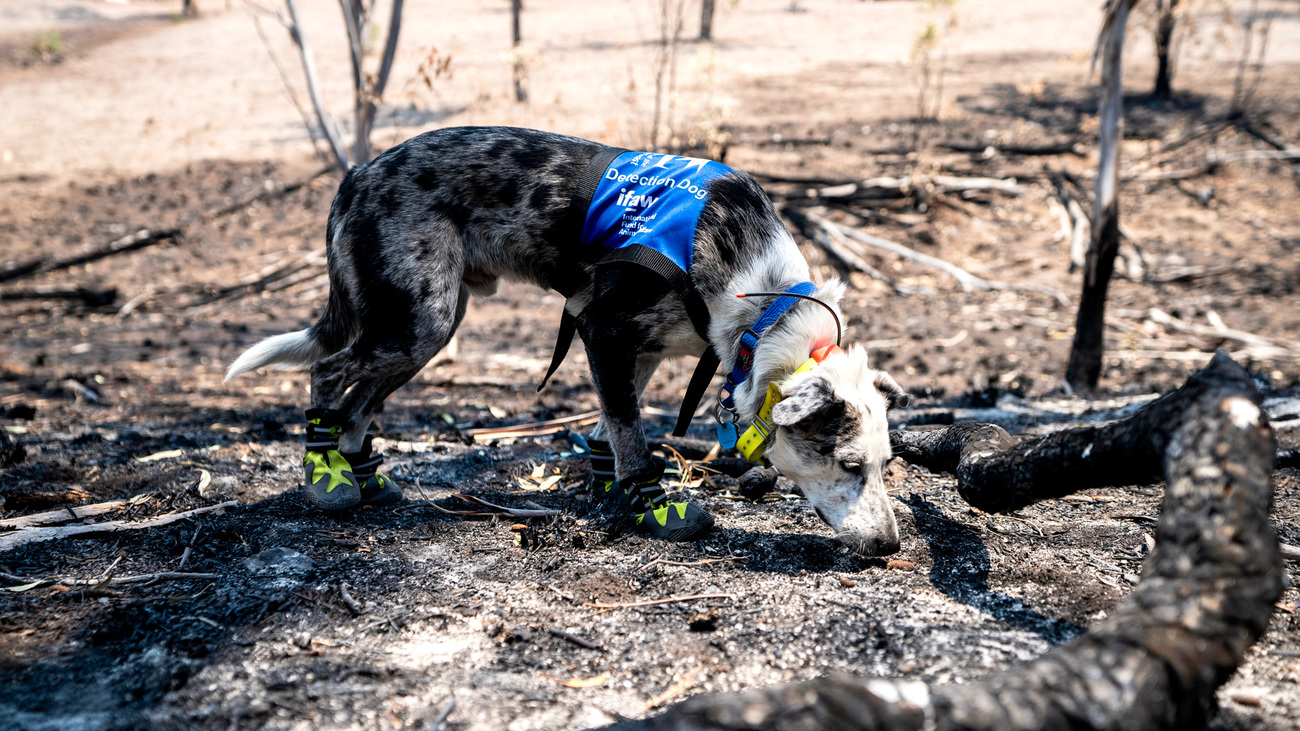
[368, 88]
[1086, 352]
[671, 23]
[518, 72]
[706, 20]
[1166, 19]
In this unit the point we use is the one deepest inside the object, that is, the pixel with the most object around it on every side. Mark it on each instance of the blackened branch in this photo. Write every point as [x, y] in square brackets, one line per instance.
[1206, 593]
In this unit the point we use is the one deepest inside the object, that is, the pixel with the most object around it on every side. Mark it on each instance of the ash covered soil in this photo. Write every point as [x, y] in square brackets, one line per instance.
[379, 618]
[474, 608]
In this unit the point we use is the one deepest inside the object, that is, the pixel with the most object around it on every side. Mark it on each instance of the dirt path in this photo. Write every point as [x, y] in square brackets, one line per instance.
[150, 123]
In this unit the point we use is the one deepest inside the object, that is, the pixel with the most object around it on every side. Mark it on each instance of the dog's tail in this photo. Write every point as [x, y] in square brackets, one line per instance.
[334, 331]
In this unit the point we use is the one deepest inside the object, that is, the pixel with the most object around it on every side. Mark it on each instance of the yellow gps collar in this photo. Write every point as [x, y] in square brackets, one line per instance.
[753, 442]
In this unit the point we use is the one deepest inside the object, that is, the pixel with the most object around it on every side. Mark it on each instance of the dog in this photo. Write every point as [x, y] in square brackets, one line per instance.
[447, 214]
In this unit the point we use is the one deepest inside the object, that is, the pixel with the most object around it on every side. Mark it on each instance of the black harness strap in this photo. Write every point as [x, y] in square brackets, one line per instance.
[563, 339]
[574, 220]
[700, 381]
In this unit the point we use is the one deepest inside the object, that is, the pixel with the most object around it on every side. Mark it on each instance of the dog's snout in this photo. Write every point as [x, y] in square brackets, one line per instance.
[869, 547]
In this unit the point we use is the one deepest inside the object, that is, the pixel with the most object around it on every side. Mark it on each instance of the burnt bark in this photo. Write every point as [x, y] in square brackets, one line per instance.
[1086, 351]
[997, 474]
[1206, 593]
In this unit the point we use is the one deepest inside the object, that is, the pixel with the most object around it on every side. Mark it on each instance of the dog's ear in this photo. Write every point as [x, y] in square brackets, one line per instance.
[895, 396]
[814, 396]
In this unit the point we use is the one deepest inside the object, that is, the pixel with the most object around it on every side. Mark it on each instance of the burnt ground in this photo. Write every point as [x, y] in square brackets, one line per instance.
[451, 607]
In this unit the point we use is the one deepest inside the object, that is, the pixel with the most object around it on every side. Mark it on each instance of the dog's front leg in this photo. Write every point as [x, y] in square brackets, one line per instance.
[616, 371]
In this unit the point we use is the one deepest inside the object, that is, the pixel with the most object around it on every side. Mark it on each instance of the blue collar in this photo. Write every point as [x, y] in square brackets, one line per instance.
[727, 432]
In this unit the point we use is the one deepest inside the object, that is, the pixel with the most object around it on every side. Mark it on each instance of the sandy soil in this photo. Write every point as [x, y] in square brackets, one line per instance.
[147, 121]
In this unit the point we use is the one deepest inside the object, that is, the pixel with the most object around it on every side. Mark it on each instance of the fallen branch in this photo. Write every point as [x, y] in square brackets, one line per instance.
[64, 515]
[133, 242]
[967, 280]
[1213, 164]
[1226, 333]
[37, 535]
[653, 602]
[843, 254]
[108, 580]
[1206, 595]
[1072, 147]
[88, 297]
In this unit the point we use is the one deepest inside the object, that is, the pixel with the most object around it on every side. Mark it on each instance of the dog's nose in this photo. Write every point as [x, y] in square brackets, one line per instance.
[871, 546]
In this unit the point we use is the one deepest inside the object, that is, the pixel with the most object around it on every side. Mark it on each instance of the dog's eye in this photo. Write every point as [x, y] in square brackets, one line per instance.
[853, 468]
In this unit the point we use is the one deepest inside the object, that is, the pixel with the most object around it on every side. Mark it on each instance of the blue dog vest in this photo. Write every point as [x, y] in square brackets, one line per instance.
[642, 208]
[651, 200]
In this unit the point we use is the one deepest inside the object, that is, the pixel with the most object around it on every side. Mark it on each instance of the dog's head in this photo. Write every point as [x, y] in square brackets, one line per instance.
[832, 440]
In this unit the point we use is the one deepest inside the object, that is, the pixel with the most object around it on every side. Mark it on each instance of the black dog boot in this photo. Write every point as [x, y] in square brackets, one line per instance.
[330, 483]
[651, 510]
[376, 488]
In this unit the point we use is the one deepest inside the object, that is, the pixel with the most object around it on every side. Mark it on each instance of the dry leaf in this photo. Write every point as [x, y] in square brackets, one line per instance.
[900, 565]
[205, 479]
[539, 471]
[169, 454]
[586, 682]
[25, 587]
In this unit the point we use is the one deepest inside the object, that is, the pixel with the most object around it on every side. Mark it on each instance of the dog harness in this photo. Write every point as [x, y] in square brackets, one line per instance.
[642, 208]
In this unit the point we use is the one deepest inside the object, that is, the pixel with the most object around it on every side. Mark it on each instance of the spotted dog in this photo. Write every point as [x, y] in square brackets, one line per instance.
[414, 233]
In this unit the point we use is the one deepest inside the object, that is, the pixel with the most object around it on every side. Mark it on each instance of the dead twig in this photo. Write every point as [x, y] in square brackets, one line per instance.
[62, 515]
[834, 246]
[37, 535]
[540, 428]
[580, 642]
[1072, 147]
[109, 580]
[967, 280]
[653, 602]
[514, 512]
[351, 603]
[131, 242]
[1256, 341]
[88, 296]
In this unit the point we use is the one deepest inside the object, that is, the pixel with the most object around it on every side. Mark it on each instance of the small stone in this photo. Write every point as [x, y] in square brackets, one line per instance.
[279, 563]
[757, 482]
[847, 583]
[705, 621]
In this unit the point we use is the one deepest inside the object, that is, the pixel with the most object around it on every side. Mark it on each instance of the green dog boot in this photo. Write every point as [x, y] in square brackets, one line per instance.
[652, 512]
[376, 488]
[329, 481]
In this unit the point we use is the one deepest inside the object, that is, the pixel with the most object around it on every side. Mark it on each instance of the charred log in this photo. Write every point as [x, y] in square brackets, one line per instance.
[997, 474]
[1206, 595]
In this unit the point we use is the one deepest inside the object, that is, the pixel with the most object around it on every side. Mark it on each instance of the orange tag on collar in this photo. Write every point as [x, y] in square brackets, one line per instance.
[823, 353]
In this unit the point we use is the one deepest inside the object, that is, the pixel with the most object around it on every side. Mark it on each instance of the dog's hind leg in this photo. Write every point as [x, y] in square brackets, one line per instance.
[390, 364]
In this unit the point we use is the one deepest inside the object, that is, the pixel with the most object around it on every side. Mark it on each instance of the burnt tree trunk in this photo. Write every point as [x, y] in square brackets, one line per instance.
[1206, 593]
[1090, 324]
[1164, 42]
[706, 20]
[518, 73]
